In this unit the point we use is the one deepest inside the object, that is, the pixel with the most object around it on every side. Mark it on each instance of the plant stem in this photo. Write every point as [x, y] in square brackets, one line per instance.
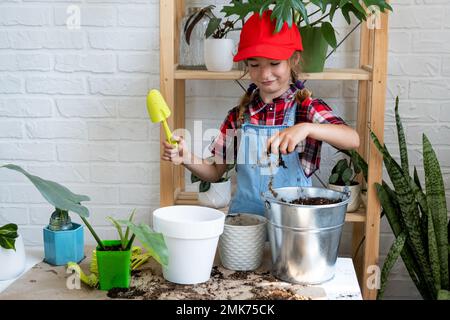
[100, 244]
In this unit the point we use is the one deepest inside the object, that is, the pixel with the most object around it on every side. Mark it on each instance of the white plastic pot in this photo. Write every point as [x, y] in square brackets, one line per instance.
[218, 195]
[191, 234]
[12, 263]
[219, 54]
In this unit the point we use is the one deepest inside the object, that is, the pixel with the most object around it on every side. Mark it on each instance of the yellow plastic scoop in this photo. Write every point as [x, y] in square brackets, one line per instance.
[159, 111]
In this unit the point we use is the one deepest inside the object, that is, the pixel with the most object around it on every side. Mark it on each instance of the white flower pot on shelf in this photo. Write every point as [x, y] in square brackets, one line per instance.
[219, 54]
[355, 195]
[218, 195]
[12, 263]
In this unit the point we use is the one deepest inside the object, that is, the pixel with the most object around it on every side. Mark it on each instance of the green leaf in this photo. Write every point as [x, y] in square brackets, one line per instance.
[401, 140]
[328, 33]
[242, 9]
[388, 200]
[358, 7]
[204, 186]
[333, 178]
[435, 193]
[346, 176]
[213, 25]
[443, 295]
[194, 178]
[119, 231]
[320, 4]
[57, 195]
[131, 220]
[152, 241]
[434, 255]
[391, 258]
[8, 236]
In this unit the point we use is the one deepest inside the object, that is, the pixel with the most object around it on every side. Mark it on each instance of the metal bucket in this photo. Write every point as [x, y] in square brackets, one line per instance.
[304, 240]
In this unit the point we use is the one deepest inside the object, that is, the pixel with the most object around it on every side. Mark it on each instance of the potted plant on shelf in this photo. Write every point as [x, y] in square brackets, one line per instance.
[113, 257]
[218, 50]
[215, 194]
[63, 239]
[12, 252]
[343, 177]
[417, 214]
[311, 18]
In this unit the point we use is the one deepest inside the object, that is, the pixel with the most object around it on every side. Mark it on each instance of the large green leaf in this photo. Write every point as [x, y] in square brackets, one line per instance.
[328, 33]
[152, 241]
[242, 9]
[401, 140]
[388, 200]
[56, 194]
[8, 236]
[213, 24]
[434, 256]
[435, 193]
[408, 208]
[391, 258]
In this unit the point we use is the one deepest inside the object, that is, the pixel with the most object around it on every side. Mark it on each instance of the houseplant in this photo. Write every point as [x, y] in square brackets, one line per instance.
[215, 194]
[12, 252]
[218, 50]
[343, 177]
[113, 257]
[417, 214]
[63, 239]
[310, 17]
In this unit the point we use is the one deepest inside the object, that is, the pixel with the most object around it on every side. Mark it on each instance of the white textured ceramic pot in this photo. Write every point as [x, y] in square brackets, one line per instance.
[241, 246]
[355, 195]
[12, 263]
[218, 195]
[219, 54]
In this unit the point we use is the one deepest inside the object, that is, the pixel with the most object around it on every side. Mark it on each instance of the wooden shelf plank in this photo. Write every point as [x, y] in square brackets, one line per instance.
[191, 198]
[328, 74]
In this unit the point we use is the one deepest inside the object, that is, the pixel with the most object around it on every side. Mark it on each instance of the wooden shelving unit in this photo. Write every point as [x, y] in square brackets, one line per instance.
[371, 77]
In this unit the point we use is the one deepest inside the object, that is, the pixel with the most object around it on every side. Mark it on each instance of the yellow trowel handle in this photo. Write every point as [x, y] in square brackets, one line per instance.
[169, 134]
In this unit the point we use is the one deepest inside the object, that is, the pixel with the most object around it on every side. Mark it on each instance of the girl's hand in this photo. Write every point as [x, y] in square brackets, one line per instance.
[172, 153]
[287, 140]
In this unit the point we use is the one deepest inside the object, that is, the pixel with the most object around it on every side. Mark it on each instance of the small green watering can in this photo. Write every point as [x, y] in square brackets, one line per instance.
[159, 111]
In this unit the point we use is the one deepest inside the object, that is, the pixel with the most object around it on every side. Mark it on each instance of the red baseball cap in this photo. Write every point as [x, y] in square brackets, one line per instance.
[259, 40]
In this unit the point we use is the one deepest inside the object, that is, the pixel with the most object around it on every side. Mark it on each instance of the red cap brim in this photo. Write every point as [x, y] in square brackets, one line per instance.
[265, 51]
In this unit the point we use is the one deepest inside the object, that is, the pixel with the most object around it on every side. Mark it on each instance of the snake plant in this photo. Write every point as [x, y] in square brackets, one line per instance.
[417, 214]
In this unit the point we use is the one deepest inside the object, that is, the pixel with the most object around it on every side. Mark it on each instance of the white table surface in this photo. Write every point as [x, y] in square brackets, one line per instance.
[344, 285]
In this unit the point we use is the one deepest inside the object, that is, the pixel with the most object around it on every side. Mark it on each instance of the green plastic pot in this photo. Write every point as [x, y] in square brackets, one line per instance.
[314, 49]
[114, 267]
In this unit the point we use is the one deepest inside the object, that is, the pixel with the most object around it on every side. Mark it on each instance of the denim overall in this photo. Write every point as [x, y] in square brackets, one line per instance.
[253, 173]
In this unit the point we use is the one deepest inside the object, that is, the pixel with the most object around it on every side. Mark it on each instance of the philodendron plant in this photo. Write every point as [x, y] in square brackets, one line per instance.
[59, 196]
[8, 236]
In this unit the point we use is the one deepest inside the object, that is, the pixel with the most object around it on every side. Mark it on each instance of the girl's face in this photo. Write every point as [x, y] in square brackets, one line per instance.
[271, 76]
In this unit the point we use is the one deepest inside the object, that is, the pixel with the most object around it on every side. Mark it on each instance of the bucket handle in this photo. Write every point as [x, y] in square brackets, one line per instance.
[347, 191]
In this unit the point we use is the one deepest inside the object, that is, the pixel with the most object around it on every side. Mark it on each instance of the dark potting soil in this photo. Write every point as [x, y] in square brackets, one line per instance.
[113, 248]
[314, 201]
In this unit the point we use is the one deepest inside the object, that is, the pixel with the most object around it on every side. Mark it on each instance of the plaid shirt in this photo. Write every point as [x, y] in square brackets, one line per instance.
[311, 110]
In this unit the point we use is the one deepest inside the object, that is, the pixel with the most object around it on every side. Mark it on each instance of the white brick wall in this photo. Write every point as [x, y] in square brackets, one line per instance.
[72, 105]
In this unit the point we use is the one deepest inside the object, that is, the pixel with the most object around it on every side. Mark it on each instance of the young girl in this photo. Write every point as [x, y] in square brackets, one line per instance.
[276, 116]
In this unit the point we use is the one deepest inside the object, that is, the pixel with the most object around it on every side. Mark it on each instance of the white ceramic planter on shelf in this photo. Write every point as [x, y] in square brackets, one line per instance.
[219, 54]
[218, 195]
[191, 234]
[355, 195]
[12, 263]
